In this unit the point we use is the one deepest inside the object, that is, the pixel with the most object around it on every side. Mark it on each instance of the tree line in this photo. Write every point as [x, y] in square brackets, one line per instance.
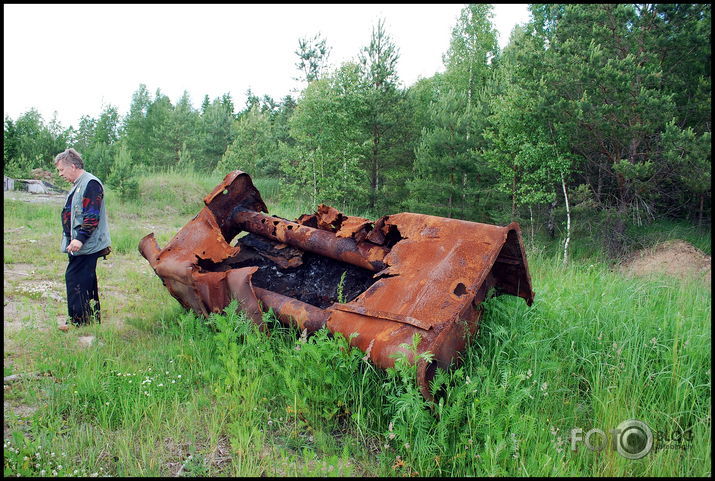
[604, 106]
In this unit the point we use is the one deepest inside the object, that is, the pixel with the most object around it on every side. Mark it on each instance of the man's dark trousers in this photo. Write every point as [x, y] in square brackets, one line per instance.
[81, 280]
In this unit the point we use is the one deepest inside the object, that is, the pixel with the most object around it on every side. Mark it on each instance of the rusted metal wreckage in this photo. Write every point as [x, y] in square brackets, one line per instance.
[402, 274]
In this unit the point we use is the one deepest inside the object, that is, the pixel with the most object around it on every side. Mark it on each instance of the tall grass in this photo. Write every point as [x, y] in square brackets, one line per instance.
[594, 349]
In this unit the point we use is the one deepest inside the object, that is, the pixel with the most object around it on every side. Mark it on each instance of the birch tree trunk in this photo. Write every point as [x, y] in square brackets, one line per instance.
[568, 222]
[531, 219]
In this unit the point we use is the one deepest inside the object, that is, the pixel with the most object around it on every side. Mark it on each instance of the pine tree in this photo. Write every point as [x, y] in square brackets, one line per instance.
[252, 146]
[388, 157]
[136, 130]
[443, 156]
[214, 133]
[123, 175]
[313, 56]
[448, 155]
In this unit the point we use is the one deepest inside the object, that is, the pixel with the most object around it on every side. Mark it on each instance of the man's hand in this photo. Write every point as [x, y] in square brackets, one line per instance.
[74, 246]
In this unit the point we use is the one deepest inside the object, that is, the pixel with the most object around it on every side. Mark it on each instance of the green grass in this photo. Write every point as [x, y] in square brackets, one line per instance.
[648, 235]
[595, 348]
[589, 229]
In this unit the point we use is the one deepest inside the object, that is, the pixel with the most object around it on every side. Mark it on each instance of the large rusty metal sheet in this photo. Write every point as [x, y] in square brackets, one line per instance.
[404, 274]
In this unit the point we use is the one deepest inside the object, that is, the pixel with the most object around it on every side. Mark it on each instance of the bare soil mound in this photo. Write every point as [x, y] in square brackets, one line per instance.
[675, 258]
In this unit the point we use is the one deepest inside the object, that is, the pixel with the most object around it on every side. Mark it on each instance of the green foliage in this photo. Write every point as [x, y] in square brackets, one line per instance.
[313, 56]
[472, 47]
[422, 96]
[253, 149]
[123, 175]
[528, 158]
[445, 161]
[450, 176]
[163, 149]
[17, 167]
[175, 192]
[29, 143]
[326, 160]
[319, 396]
[614, 97]
[606, 92]
[341, 285]
[186, 162]
[136, 127]
[690, 154]
[23, 456]
[383, 106]
[214, 133]
[99, 159]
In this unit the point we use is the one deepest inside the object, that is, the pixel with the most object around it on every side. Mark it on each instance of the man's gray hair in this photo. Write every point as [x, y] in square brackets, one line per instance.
[70, 156]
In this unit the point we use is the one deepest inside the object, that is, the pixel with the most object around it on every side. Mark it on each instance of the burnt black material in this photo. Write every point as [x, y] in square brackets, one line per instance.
[314, 282]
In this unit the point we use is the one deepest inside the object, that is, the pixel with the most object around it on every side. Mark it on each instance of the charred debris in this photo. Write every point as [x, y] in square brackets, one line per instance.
[382, 280]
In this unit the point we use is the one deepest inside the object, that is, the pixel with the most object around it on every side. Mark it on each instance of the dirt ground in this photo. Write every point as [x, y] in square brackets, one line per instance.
[41, 198]
[675, 258]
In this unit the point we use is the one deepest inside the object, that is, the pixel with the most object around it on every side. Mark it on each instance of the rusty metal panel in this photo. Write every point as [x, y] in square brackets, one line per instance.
[404, 273]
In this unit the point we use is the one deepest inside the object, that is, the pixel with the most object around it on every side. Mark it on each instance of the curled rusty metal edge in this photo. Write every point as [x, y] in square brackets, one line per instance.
[380, 332]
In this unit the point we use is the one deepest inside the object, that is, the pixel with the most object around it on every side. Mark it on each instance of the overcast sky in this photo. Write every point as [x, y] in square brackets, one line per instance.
[75, 59]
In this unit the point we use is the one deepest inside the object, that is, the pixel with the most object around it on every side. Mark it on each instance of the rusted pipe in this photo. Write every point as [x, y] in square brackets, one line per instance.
[363, 254]
[291, 311]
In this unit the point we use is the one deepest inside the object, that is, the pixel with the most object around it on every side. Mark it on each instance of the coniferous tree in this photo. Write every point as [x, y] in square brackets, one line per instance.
[388, 158]
[163, 151]
[454, 134]
[100, 152]
[215, 133]
[136, 129]
[442, 157]
[84, 133]
[528, 157]
[252, 148]
[183, 125]
[313, 56]
[606, 94]
[123, 175]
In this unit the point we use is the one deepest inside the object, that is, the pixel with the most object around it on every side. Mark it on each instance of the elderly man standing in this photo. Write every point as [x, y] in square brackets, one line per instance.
[85, 237]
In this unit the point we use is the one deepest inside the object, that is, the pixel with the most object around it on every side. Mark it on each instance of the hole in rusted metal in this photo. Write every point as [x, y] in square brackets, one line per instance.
[393, 236]
[460, 290]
